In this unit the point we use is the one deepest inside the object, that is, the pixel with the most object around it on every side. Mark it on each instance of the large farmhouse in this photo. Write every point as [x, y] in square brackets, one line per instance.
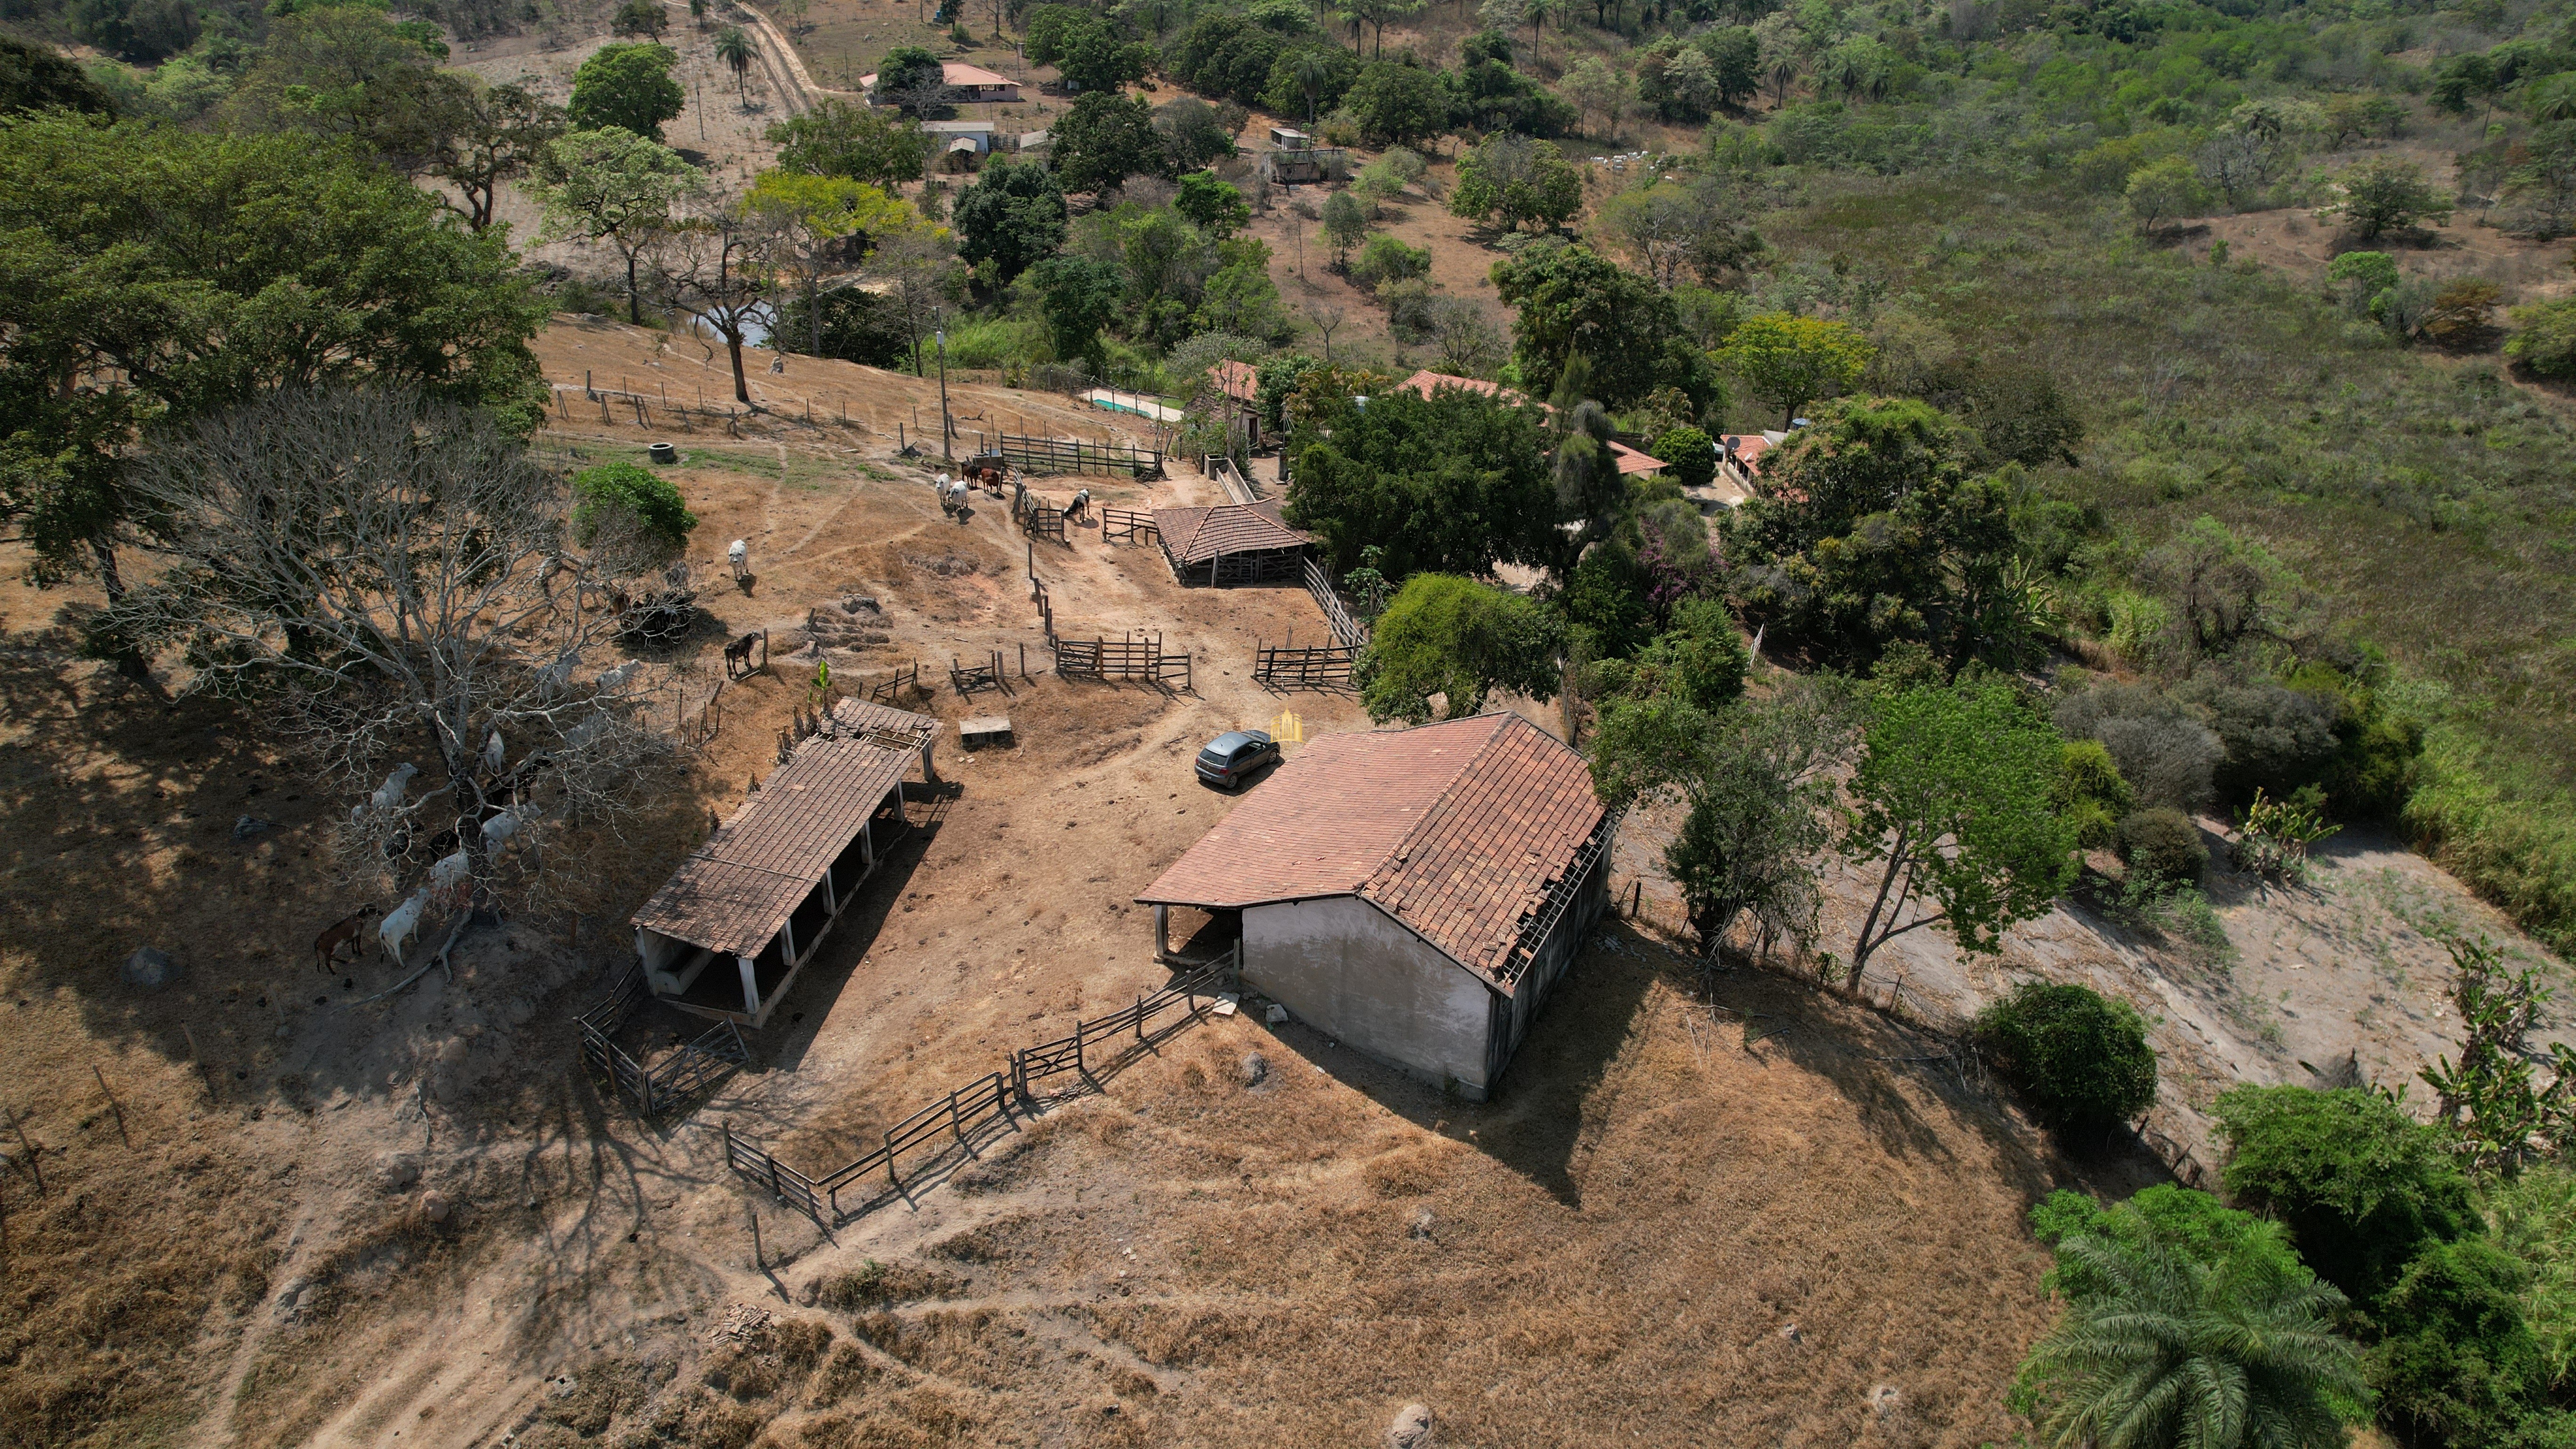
[1414, 893]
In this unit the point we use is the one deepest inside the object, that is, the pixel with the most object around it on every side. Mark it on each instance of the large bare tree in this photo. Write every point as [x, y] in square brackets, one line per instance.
[391, 578]
[720, 264]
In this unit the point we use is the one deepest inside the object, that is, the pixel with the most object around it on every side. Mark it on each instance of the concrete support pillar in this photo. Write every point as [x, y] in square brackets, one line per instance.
[750, 987]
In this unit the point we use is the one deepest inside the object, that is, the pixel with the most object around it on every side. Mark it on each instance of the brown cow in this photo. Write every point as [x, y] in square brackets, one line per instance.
[326, 947]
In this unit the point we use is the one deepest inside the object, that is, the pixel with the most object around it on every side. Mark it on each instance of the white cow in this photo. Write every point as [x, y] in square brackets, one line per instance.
[738, 553]
[450, 873]
[498, 830]
[395, 930]
[494, 754]
[613, 680]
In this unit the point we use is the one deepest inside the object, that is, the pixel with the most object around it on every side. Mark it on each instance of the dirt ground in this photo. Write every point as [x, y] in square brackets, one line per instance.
[276, 1212]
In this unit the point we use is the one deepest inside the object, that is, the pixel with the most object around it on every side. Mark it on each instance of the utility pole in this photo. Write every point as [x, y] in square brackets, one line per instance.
[946, 428]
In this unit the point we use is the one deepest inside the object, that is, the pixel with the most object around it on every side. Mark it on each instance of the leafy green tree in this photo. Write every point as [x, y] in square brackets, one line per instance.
[347, 72]
[1513, 180]
[1012, 218]
[1460, 639]
[2161, 191]
[859, 142]
[1789, 361]
[1212, 206]
[1487, 94]
[2165, 1350]
[1239, 297]
[913, 81]
[1951, 800]
[1690, 453]
[163, 275]
[1397, 104]
[612, 493]
[1345, 223]
[818, 220]
[2080, 1057]
[616, 186]
[2498, 1118]
[628, 86]
[501, 133]
[2193, 1224]
[1103, 138]
[1081, 296]
[640, 17]
[854, 325]
[1868, 531]
[2544, 338]
[1574, 301]
[1198, 134]
[1306, 79]
[1453, 483]
[2361, 1186]
[37, 78]
[2386, 195]
[1085, 48]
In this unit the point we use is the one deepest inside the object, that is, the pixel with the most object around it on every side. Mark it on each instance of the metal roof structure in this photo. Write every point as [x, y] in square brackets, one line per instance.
[1463, 831]
[733, 893]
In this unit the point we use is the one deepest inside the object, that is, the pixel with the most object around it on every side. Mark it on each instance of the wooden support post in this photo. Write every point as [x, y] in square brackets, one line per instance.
[956, 1129]
[112, 1104]
[33, 1170]
[1140, 1016]
[889, 1157]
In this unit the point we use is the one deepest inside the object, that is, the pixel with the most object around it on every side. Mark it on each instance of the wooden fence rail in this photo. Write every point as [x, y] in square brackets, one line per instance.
[1137, 656]
[968, 678]
[1073, 455]
[1037, 517]
[679, 1079]
[1321, 667]
[1350, 631]
[1128, 524]
[958, 1124]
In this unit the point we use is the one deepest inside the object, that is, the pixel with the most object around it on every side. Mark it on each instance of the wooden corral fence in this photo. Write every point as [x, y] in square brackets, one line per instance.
[968, 678]
[1073, 455]
[958, 1124]
[1128, 524]
[1238, 485]
[682, 1077]
[896, 685]
[1349, 630]
[1300, 667]
[1037, 517]
[1138, 655]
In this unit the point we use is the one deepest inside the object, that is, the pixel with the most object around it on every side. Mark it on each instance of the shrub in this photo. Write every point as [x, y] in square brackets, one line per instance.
[1387, 259]
[2090, 792]
[2361, 1186]
[1690, 454]
[2081, 1058]
[2544, 338]
[2456, 1362]
[2163, 845]
[2167, 756]
[612, 490]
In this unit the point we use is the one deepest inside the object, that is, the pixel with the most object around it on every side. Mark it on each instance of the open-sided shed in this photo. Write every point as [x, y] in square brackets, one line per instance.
[1232, 543]
[725, 936]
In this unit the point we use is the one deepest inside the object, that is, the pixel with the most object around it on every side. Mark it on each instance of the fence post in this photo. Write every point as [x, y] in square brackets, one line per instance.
[728, 1140]
[1080, 1067]
[889, 1152]
[954, 1130]
[1140, 1016]
[774, 1194]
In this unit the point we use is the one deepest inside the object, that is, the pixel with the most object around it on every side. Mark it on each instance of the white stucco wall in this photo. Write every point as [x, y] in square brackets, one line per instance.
[1345, 968]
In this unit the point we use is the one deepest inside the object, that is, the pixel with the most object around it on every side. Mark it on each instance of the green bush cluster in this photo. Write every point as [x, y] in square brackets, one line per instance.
[625, 489]
[2080, 1057]
[2163, 845]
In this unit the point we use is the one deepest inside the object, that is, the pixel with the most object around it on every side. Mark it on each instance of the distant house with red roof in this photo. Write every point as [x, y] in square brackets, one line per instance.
[1413, 894]
[962, 82]
[1427, 382]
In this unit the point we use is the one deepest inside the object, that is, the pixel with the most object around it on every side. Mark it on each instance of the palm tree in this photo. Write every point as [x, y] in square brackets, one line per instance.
[2162, 1352]
[1311, 76]
[734, 49]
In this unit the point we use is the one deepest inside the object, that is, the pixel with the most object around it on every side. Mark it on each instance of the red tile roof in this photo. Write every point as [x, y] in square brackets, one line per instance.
[1427, 382]
[1748, 449]
[1196, 535]
[1632, 461]
[1240, 381]
[1455, 829]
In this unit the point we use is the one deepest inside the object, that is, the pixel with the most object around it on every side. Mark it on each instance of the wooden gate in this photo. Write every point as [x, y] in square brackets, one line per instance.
[1326, 667]
[1072, 455]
